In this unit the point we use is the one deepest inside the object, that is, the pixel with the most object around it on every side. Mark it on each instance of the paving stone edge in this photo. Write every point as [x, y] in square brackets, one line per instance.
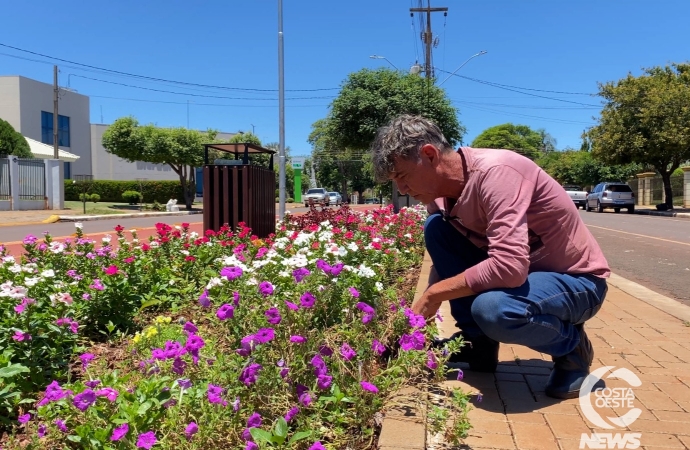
[126, 216]
[407, 431]
[665, 304]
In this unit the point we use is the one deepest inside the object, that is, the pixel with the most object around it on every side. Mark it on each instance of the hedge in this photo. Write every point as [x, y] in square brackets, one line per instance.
[111, 191]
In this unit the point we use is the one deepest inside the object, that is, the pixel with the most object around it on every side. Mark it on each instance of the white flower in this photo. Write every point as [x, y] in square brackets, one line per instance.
[15, 268]
[252, 281]
[57, 247]
[352, 247]
[62, 297]
[171, 282]
[31, 281]
[78, 225]
[48, 273]
[8, 259]
[106, 239]
[379, 286]
[213, 282]
[407, 235]
[193, 235]
[185, 252]
[284, 274]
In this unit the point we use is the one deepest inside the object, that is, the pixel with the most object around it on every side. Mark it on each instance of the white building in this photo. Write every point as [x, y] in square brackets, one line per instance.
[28, 106]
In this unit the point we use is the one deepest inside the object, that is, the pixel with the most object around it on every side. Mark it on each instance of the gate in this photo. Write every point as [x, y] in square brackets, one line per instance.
[32, 179]
[5, 193]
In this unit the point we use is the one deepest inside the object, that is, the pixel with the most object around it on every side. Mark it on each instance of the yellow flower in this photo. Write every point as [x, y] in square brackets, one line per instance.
[162, 319]
[151, 331]
[258, 243]
[136, 338]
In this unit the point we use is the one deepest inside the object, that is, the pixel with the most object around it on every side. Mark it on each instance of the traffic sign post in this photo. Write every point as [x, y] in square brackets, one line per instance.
[297, 166]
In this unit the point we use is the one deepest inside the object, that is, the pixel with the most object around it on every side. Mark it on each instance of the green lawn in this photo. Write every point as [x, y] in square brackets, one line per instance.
[101, 208]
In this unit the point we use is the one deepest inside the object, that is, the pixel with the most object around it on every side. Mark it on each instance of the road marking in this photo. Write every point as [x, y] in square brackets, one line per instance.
[640, 235]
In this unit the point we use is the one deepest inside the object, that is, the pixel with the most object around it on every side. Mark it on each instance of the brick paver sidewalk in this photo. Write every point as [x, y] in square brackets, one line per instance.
[626, 333]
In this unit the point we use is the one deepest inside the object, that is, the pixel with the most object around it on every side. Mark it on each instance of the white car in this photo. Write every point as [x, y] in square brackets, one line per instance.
[577, 195]
[335, 198]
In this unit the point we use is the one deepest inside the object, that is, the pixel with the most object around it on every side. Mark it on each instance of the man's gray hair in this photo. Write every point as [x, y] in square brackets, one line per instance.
[402, 138]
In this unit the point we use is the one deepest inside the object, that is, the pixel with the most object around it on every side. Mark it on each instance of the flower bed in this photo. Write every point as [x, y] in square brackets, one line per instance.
[216, 341]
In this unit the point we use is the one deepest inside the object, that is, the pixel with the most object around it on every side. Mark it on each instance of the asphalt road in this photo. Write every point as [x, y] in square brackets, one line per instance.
[652, 251]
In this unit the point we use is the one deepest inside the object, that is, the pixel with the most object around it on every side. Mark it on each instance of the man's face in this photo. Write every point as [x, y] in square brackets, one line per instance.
[417, 178]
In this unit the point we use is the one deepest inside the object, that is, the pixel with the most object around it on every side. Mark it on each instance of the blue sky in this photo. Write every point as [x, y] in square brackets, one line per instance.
[554, 45]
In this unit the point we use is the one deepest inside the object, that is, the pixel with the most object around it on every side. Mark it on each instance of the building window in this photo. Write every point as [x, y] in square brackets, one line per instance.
[47, 129]
[68, 170]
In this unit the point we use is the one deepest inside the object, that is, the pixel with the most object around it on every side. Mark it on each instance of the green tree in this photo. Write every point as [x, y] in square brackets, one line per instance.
[180, 148]
[581, 168]
[367, 100]
[646, 120]
[12, 142]
[519, 138]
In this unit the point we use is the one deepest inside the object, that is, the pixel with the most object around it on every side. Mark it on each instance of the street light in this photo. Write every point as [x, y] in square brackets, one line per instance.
[383, 57]
[463, 64]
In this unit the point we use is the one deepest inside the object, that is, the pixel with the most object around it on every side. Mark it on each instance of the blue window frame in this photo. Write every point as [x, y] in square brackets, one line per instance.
[47, 129]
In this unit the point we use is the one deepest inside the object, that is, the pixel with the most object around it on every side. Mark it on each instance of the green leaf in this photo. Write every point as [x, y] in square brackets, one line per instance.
[150, 303]
[281, 428]
[74, 438]
[261, 435]
[299, 436]
[13, 370]
[143, 408]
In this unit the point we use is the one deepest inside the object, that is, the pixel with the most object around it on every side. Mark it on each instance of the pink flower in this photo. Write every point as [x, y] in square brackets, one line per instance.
[354, 292]
[97, 285]
[21, 336]
[147, 440]
[378, 347]
[119, 432]
[368, 387]
[86, 358]
[291, 305]
[298, 339]
[109, 393]
[111, 270]
[317, 446]
[24, 419]
[191, 430]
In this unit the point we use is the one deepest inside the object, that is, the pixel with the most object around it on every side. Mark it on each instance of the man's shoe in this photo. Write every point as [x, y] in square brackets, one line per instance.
[569, 371]
[481, 352]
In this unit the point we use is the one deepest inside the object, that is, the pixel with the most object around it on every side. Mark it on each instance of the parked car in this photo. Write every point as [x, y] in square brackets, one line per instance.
[317, 196]
[371, 201]
[335, 198]
[577, 195]
[614, 195]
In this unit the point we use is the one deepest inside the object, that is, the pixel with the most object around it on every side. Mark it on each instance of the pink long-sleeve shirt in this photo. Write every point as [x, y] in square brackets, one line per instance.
[522, 217]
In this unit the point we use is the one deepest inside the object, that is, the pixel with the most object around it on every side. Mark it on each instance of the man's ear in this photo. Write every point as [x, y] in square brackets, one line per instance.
[429, 152]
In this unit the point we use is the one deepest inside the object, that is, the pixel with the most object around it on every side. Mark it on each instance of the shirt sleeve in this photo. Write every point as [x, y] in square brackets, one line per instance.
[505, 196]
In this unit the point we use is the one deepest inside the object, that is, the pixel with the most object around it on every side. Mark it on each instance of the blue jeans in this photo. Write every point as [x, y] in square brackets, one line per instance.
[541, 314]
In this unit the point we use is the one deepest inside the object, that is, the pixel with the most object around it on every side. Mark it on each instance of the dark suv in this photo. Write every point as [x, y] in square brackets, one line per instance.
[614, 195]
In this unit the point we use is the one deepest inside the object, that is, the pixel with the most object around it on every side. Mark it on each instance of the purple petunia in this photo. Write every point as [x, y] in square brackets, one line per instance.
[86, 358]
[307, 300]
[346, 352]
[319, 365]
[354, 292]
[367, 309]
[60, 424]
[414, 341]
[194, 343]
[231, 273]
[266, 288]
[178, 366]
[317, 446]
[214, 394]
[461, 375]
[247, 344]
[250, 374]
[173, 349]
[42, 429]
[368, 387]
[54, 392]
[24, 418]
[291, 413]
[431, 361]
[226, 311]
[273, 316]
[377, 347]
[184, 383]
[85, 399]
[251, 446]
[300, 274]
[291, 305]
[190, 430]
[21, 336]
[298, 339]
[204, 301]
[415, 320]
[189, 327]
[265, 335]
[254, 421]
[325, 350]
[147, 440]
[305, 399]
[324, 381]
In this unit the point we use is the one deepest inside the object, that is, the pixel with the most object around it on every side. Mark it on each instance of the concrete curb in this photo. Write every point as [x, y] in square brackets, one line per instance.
[651, 212]
[404, 427]
[127, 216]
[661, 302]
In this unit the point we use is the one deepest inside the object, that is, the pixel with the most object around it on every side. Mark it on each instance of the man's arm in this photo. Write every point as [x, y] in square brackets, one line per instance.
[440, 291]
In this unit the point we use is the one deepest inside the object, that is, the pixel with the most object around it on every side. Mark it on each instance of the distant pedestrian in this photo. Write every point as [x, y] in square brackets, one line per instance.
[509, 249]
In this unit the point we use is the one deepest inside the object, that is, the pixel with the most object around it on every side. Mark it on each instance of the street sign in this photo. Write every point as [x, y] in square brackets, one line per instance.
[298, 162]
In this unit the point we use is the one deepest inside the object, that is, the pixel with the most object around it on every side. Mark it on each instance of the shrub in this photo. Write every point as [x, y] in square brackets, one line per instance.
[84, 197]
[289, 200]
[95, 198]
[131, 197]
[111, 191]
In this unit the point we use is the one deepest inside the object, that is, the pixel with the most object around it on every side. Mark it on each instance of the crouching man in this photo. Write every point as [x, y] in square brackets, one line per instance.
[509, 250]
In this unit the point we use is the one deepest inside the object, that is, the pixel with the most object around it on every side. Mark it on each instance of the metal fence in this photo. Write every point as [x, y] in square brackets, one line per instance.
[5, 193]
[658, 190]
[32, 179]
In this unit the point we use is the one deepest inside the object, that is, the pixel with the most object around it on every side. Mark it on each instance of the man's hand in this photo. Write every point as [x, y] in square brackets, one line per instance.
[426, 306]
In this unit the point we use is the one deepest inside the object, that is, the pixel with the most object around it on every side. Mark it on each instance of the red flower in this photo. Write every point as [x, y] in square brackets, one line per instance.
[119, 228]
[112, 270]
[190, 258]
[184, 225]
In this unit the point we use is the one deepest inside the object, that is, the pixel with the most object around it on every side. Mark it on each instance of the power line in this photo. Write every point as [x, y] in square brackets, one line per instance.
[549, 119]
[154, 78]
[198, 95]
[201, 104]
[506, 105]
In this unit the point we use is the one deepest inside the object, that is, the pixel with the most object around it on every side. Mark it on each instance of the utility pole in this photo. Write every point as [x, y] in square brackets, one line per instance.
[56, 90]
[428, 36]
[281, 116]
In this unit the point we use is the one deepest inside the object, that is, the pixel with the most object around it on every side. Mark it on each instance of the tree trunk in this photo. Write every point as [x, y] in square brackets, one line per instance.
[343, 180]
[668, 192]
[343, 188]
